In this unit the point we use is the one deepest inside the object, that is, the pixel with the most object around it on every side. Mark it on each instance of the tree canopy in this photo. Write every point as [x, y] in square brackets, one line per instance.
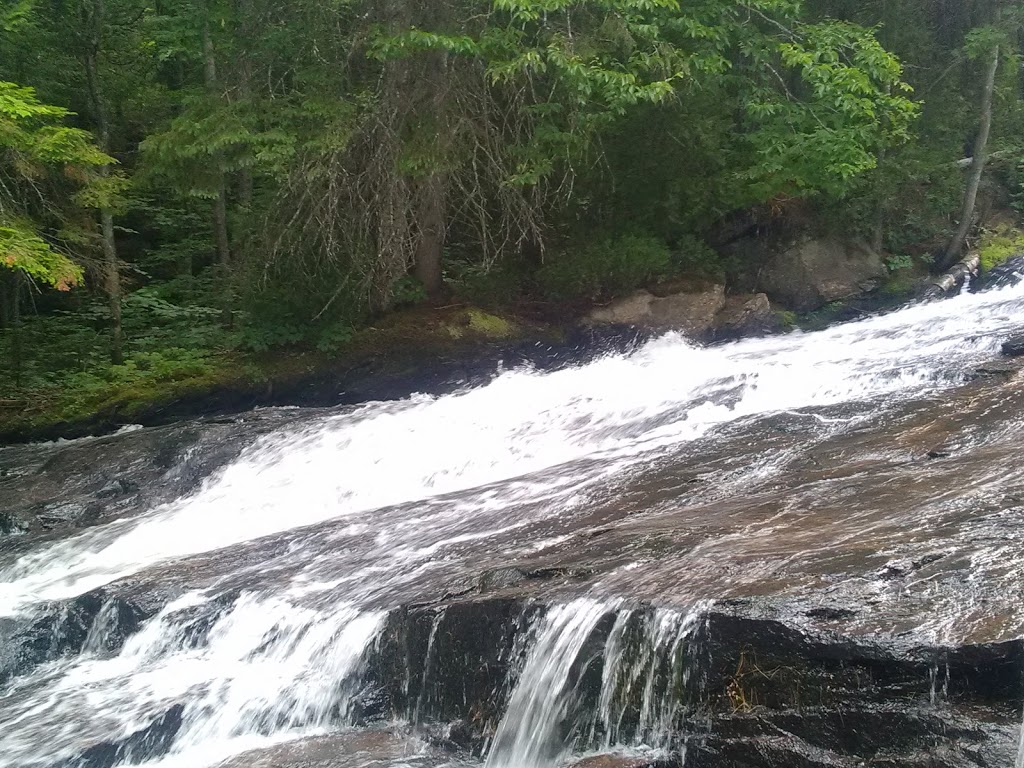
[267, 173]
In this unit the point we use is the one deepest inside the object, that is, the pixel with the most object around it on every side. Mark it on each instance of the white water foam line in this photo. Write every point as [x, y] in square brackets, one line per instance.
[669, 391]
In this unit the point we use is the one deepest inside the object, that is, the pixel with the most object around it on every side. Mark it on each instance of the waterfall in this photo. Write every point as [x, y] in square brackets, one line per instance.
[250, 674]
[616, 408]
[270, 583]
[529, 734]
[645, 668]
[647, 664]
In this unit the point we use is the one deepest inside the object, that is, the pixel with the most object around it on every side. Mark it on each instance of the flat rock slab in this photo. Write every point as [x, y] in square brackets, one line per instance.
[373, 748]
[1014, 347]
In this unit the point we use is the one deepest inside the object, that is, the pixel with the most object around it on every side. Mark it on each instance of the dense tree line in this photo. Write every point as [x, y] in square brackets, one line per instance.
[179, 177]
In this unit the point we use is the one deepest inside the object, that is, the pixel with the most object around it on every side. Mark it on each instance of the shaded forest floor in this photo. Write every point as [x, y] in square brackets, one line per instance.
[417, 349]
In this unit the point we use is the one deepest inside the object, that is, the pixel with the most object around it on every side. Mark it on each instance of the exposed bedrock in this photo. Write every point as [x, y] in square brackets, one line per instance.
[726, 685]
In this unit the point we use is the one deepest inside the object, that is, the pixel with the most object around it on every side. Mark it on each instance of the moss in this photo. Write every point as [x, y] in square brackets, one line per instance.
[489, 325]
[400, 341]
[899, 284]
[787, 318]
[997, 246]
[475, 323]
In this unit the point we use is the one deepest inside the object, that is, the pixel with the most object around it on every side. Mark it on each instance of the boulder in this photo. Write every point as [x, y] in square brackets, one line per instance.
[692, 312]
[812, 272]
[1010, 272]
[1014, 347]
[746, 315]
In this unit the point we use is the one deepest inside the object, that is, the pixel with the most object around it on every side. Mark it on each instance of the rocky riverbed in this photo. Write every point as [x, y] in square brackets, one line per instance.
[623, 568]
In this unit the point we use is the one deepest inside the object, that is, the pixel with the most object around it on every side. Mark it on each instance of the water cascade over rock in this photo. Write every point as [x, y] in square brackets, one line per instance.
[797, 550]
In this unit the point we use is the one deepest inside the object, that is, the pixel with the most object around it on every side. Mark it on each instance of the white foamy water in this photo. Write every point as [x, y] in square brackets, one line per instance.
[259, 671]
[528, 736]
[283, 659]
[523, 422]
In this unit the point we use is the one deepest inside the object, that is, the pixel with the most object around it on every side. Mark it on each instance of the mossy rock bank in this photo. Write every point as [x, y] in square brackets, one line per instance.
[428, 350]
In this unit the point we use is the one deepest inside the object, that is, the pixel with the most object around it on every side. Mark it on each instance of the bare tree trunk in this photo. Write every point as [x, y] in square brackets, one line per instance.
[12, 287]
[111, 263]
[431, 203]
[956, 244]
[113, 286]
[432, 224]
[878, 226]
[221, 235]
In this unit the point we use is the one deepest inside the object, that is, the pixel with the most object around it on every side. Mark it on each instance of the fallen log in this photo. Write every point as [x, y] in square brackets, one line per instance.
[953, 279]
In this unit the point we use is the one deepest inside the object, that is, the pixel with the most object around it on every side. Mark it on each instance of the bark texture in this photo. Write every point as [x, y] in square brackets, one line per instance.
[956, 244]
[94, 13]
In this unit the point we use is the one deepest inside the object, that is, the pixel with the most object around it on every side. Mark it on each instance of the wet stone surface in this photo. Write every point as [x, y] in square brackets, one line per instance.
[829, 581]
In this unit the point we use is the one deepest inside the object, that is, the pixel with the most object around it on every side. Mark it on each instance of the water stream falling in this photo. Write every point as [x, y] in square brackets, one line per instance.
[285, 563]
[528, 735]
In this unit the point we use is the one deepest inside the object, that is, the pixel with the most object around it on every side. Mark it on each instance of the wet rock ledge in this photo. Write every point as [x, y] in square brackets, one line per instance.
[731, 688]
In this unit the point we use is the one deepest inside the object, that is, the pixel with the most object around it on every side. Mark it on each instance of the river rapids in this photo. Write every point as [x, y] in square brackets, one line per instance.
[662, 555]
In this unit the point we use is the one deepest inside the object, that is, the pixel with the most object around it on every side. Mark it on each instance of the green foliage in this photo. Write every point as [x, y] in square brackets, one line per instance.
[22, 249]
[693, 257]
[408, 291]
[331, 130]
[608, 266]
[787, 318]
[36, 149]
[899, 261]
[999, 245]
[850, 103]
[210, 138]
[495, 285]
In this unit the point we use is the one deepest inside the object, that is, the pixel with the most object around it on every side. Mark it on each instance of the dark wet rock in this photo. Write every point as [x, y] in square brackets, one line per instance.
[626, 761]
[762, 693]
[152, 741]
[689, 312]
[1014, 347]
[831, 614]
[458, 736]
[502, 578]
[453, 663]
[1010, 272]
[61, 486]
[812, 272]
[744, 316]
[997, 369]
[95, 622]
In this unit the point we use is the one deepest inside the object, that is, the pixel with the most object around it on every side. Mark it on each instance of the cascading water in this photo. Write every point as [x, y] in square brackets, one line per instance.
[528, 735]
[285, 563]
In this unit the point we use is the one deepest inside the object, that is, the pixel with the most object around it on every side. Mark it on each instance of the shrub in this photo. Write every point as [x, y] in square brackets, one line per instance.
[610, 266]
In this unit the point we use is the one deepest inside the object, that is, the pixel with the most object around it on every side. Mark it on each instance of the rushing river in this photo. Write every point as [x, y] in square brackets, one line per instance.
[806, 467]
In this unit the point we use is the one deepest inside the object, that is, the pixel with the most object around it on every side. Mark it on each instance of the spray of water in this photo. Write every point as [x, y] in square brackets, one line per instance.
[283, 660]
[523, 422]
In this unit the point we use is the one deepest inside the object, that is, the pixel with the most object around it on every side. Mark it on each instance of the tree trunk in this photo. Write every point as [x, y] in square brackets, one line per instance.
[246, 15]
[112, 283]
[956, 244]
[431, 203]
[431, 215]
[878, 227]
[222, 237]
[6, 298]
[220, 230]
[14, 317]
[111, 264]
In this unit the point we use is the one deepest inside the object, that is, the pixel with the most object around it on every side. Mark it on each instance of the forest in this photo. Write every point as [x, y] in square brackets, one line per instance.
[189, 188]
